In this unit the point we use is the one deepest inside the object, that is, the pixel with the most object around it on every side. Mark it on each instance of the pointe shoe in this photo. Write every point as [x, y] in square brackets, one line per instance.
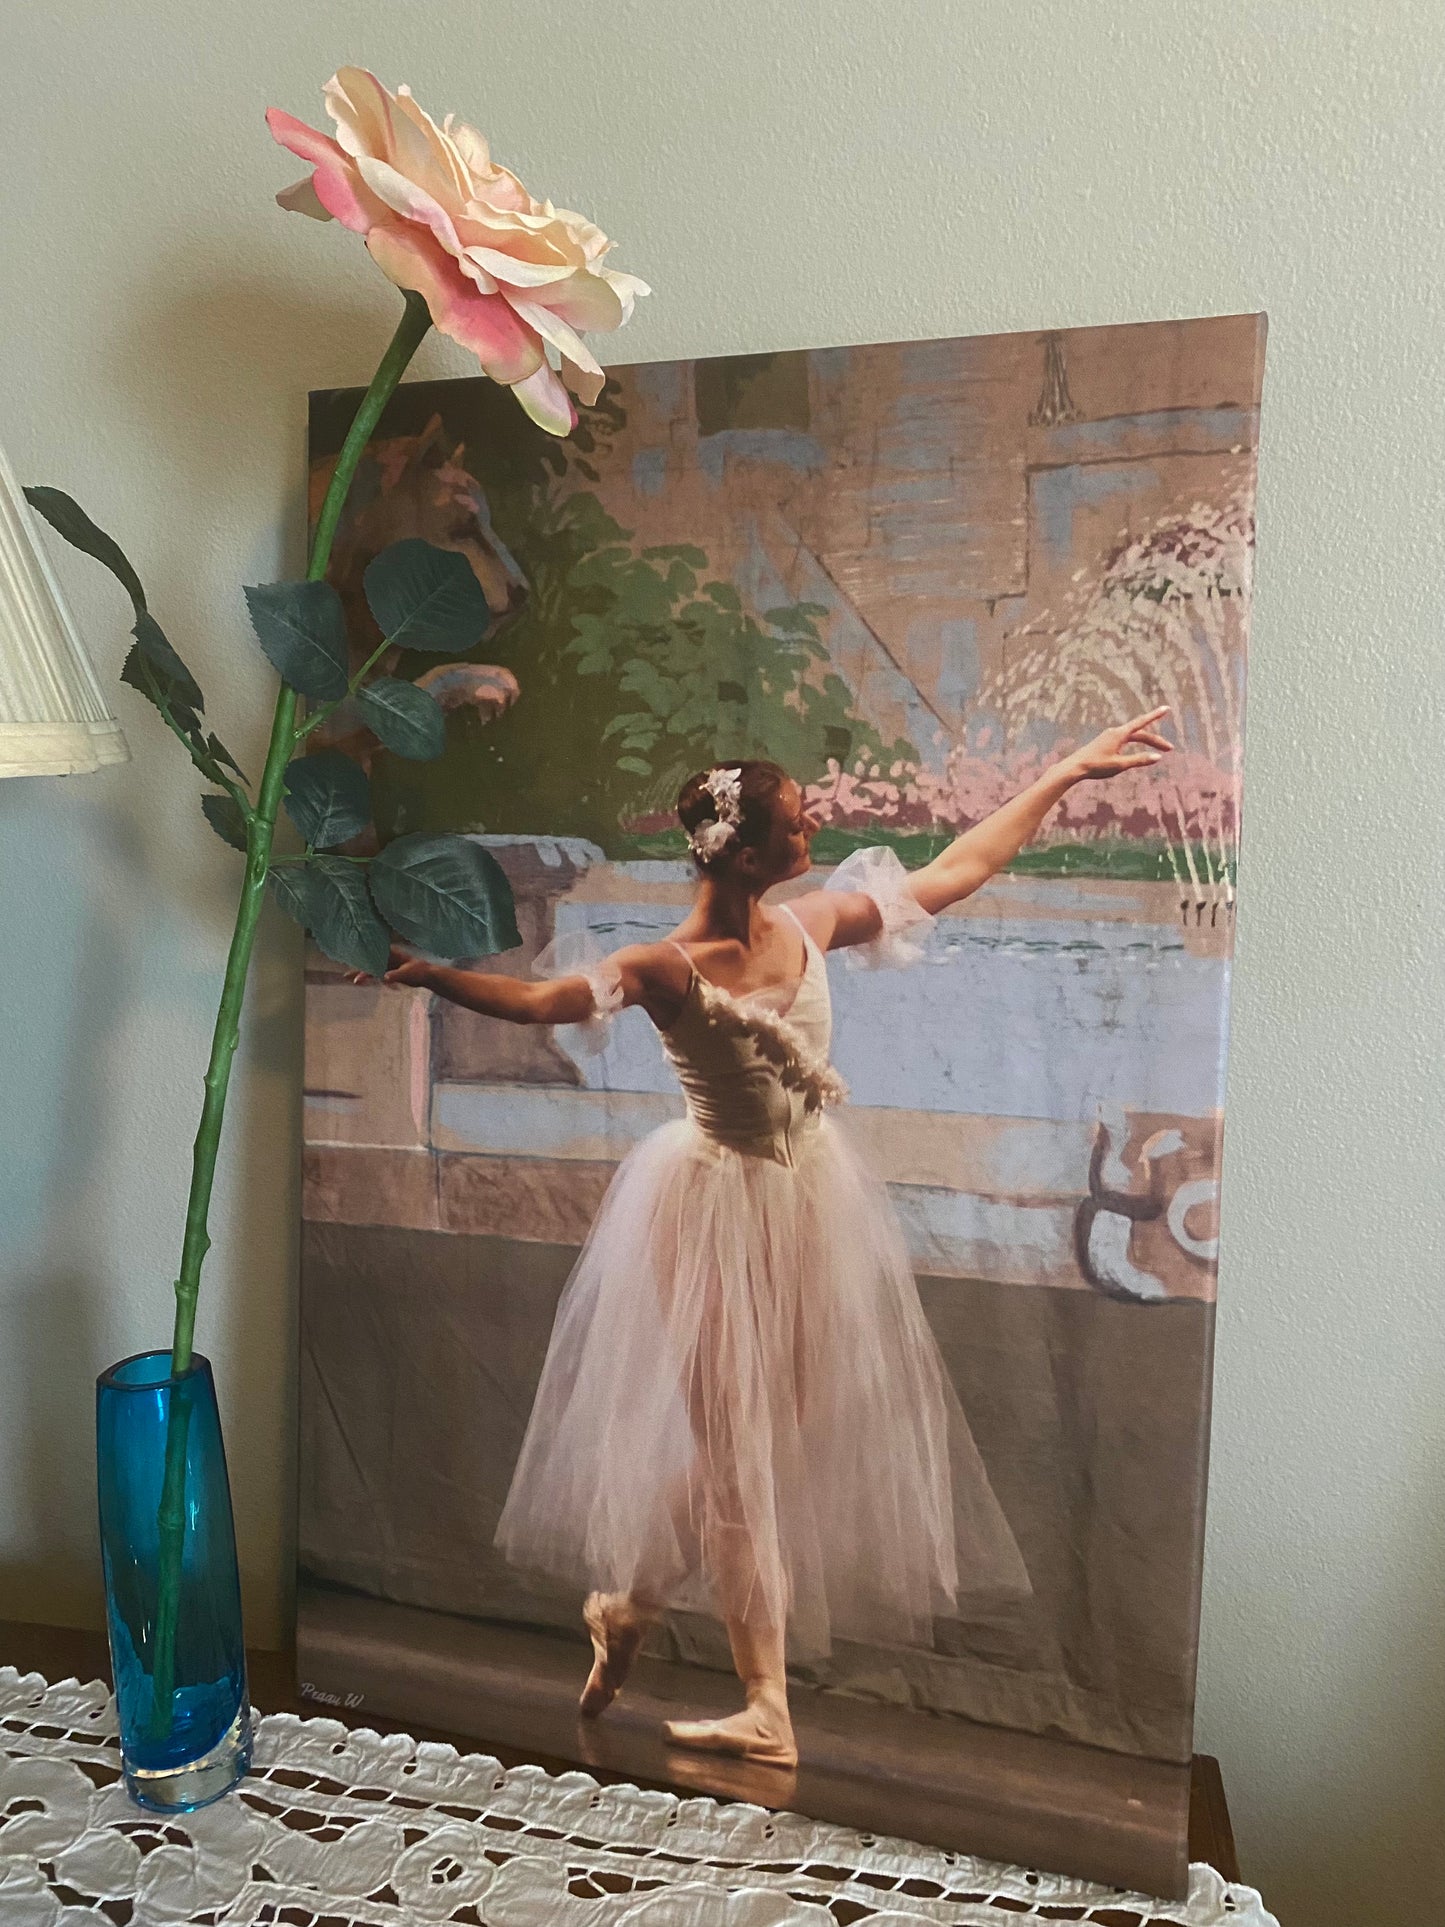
[618, 1630]
[760, 1735]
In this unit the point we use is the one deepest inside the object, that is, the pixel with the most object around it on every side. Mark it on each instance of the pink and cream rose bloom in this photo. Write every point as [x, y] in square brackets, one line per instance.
[504, 275]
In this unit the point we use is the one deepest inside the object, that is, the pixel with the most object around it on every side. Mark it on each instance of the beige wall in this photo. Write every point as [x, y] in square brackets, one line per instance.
[786, 176]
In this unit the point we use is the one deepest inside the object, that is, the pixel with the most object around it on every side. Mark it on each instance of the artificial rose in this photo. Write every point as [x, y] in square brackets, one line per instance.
[504, 275]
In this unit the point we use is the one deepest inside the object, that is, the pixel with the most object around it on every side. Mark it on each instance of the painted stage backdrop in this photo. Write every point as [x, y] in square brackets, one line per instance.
[912, 573]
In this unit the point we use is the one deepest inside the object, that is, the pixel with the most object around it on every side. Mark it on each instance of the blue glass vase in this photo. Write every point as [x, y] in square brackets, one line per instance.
[172, 1590]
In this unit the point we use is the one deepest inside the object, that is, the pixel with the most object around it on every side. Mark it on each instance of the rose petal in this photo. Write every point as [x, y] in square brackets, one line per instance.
[626, 287]
[443, 152]
[516, 272]
[302, 199]
[306, 143]
[405, 197]
[538, 235]
[480, 279]
[472, 146]
[586, 301]
[485, 323]
[518, 238]
[585, 384]
[547, 401]
[361, 108]
[554, 330]
[369, 124]
[587, 235]
[338, 189]
[505, 190]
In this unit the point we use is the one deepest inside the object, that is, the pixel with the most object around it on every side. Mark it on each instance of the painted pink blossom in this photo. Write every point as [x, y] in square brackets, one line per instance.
[507, 276]
[1189, 797]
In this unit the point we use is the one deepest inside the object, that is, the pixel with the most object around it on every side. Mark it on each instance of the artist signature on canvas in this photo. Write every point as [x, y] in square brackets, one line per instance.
[313, 1692]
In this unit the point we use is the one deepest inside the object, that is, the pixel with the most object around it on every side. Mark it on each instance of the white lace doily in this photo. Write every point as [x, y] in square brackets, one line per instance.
[342, 1828]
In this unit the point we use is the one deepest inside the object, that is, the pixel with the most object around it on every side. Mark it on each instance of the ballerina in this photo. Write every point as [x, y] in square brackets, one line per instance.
[743, 1410]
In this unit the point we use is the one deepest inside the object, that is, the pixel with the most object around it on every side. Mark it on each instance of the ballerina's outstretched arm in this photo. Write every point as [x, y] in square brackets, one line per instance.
[840, 918]
[651, 974]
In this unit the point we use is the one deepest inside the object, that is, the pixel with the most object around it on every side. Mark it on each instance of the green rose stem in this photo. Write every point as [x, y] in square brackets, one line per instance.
[260, 830]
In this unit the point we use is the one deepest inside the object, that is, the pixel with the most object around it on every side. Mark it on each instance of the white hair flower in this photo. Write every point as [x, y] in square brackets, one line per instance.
[709, 838]
[725, 787]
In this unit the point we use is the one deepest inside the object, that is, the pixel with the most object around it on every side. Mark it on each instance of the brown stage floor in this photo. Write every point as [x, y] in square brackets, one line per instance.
[1016, 1797]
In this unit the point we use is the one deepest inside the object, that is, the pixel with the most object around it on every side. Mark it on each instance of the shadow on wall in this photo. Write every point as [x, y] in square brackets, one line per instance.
[234, 357]
[207, 373]
[68, 971]
[1345, 1839]
[55, 1330]
[112, 967]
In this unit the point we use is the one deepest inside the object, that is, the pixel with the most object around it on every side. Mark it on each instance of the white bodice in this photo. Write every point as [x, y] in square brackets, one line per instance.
[754, 1067]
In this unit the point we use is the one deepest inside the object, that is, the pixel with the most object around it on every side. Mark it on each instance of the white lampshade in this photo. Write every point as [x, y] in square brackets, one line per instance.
[53, 719]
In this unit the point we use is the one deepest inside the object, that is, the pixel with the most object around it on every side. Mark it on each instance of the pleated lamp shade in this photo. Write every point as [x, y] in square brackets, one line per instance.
[53, 719]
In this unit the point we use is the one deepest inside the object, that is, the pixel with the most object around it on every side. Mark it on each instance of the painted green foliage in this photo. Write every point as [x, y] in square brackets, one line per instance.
[636, 667]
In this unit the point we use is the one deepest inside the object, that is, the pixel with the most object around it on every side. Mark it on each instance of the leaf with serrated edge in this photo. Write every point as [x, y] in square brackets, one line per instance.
[340, 916]
[301, 626]
[426, 598]
[328, 798]
[408, 720]
[223, 813]
[151, 641]
[218, 750]
[288, 887]
[140, 674]
[68, 518]
[446, 894]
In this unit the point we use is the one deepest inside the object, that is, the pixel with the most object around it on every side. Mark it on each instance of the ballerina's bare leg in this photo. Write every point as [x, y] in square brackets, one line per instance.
[763, 1731]
[619, 1622]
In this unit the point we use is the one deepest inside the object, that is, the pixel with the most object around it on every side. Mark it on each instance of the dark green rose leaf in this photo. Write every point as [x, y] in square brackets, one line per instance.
[424, 597]
[68, 518]
[328, 897]
[302, 628]
[406, 718]
[341, 918]
[328, 798]
[218, 752]
[288, 887]
[173, 673]
[140, 673]
[445, 894]
[223, 813]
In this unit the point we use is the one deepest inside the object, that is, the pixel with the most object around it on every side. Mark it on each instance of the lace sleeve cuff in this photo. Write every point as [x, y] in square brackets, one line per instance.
[578, 954]
[876, 872]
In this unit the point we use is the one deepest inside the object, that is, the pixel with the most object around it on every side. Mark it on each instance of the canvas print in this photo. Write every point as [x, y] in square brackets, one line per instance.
[756, 1332]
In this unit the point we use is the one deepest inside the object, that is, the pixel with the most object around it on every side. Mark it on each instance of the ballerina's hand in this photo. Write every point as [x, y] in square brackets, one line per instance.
[1133, 745]
[402, 968]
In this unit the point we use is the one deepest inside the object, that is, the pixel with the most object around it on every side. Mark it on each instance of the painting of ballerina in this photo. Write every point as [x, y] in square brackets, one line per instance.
[925, 656]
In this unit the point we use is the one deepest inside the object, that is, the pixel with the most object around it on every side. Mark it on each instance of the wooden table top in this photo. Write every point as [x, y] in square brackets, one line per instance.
[62, 1652]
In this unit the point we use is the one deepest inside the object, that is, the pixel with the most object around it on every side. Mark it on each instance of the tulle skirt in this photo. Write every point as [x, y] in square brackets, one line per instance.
[743, 1411]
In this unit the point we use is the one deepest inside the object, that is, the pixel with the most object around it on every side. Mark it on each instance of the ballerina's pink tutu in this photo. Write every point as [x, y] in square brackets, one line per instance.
[741, 1380]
